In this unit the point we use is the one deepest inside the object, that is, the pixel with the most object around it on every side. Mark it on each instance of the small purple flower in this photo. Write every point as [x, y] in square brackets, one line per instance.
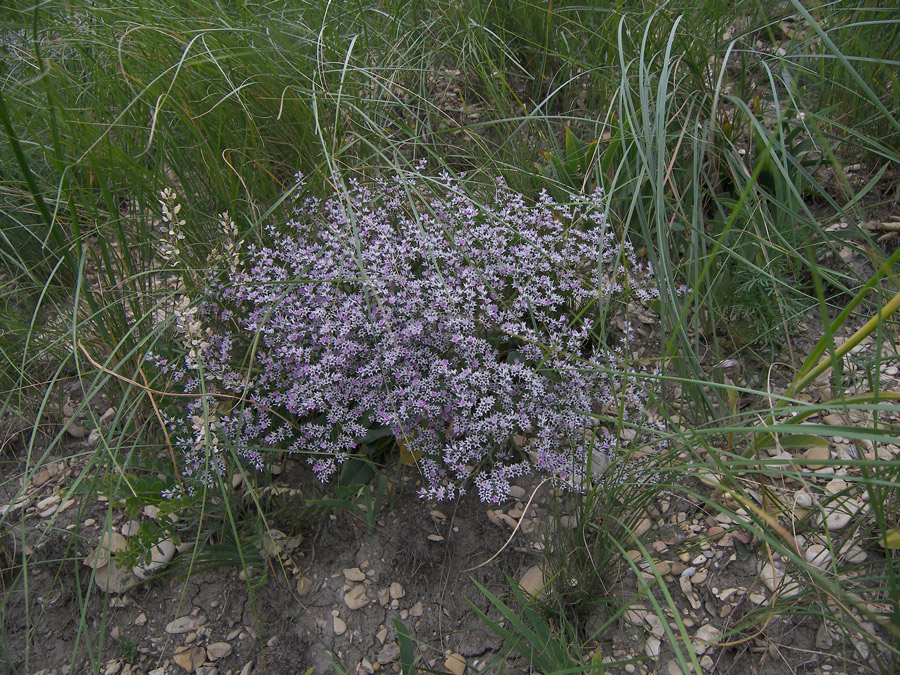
[456, 325]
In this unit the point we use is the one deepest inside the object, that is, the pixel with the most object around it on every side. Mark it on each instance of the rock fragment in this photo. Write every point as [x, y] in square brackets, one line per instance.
[354, 574]
[532, 581]
[218, 650]
[114, 579]
[389, 653]
[160, 556]
[356, 598]
[656, 625]
[839, 513]
[818, 556]
[189, 658]
[815, 455]
[777, 579]
[110, 542]
[76, 430]
[304, 586]
[705, 634]
[456, 664]
[185, 624]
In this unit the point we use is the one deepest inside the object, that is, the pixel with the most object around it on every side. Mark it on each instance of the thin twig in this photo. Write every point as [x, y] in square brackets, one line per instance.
[516, 529]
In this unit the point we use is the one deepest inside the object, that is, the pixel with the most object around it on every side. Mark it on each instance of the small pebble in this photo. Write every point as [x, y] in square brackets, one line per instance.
[304, 586]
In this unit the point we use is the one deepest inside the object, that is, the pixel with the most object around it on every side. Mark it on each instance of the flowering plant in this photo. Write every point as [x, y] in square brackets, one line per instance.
[465, 329]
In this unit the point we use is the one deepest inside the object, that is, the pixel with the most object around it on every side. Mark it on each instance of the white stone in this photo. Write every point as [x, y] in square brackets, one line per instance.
[771, 576]
[634, 616]
[47, 502]
[131, 528]
[705, 634]
[160, 556]
[777, 579]
[339, 625]
[818, 556]
[656, 625]
[114, 579]
[151, 511]
[840, 512]
[803, 499]
[853, 554]
[652, 647]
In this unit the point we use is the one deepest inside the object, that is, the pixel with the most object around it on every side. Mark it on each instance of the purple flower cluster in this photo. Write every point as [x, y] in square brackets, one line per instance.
[460, 326]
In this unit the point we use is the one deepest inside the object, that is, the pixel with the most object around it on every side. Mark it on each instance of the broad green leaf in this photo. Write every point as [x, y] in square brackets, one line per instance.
[356, 471]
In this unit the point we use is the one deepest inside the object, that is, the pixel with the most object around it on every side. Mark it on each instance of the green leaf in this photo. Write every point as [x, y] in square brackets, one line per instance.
[356, 471]
[375, 434]
[794, 441]
[407, 648]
